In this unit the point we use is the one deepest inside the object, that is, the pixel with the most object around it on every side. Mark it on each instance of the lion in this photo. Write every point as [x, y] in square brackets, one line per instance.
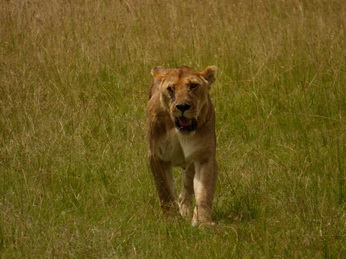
[181, 132]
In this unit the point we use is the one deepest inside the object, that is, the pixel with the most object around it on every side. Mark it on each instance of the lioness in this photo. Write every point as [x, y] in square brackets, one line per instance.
[181, 131]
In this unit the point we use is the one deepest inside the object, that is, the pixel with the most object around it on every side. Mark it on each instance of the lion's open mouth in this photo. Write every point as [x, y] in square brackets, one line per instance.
[184, 124]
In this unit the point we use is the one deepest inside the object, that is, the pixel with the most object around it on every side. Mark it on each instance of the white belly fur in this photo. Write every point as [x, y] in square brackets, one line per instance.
[177, 148]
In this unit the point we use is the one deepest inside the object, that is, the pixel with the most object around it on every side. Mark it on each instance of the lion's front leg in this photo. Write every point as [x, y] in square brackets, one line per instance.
[185, 196]
[164, 181]
[204, 186]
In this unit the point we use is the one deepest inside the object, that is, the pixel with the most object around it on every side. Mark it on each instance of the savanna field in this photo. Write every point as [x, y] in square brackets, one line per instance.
[74, 80]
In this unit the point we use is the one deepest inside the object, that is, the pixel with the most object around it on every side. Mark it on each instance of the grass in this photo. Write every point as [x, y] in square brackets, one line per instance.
[74, 78]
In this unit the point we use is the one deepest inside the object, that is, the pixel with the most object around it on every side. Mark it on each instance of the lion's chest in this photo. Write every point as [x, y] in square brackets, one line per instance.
[177, 148]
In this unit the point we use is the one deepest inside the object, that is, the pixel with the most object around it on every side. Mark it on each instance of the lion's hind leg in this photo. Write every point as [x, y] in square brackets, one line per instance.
[185, 197]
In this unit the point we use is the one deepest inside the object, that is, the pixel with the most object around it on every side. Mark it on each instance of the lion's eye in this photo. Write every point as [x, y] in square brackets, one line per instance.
[193, 85]
[170, 92]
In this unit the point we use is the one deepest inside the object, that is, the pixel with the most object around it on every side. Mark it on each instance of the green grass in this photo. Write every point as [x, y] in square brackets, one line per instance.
[74, 79]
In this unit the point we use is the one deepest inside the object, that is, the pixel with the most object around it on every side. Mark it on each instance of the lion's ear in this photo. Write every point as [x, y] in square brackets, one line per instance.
[158, 72]
[209, 73]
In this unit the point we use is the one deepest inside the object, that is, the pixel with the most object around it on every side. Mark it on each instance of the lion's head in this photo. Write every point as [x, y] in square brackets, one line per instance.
[183, 93]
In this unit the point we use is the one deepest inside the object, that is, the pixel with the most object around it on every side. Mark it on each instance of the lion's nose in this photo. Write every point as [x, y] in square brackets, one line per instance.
[183, 107]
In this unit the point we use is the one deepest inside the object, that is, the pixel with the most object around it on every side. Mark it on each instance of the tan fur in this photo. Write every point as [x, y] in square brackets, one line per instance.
[192, 150]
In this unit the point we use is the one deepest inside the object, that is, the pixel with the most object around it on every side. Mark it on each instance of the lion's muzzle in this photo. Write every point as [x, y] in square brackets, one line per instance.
[183, 107]
[185, 124]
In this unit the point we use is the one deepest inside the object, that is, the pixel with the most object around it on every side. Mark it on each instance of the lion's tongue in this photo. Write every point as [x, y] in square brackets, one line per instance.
[184, 121]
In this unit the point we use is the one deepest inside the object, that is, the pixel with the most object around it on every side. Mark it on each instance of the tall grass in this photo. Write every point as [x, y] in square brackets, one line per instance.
[74, 79]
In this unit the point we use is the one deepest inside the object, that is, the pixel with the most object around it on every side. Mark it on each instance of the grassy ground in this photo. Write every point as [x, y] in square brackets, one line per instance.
[74, 78]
